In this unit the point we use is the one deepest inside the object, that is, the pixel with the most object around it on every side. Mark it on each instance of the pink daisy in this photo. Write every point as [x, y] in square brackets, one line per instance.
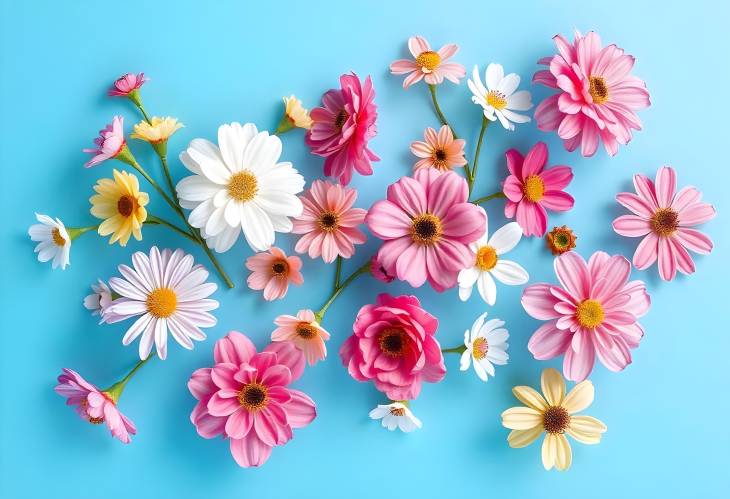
[109, 144]
[440, 151]
[304, 332]
[593, 312]
[531, 189]
[663, 217]
[597, 96]
[342, 128]
[427, 224]
[272, 271]
[329, 222]
[126, 84]
[427, 64]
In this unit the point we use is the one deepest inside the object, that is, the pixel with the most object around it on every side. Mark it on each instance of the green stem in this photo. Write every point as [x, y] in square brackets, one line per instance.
[168, 177]
[338, 272]
[115, 391]
[444, 121]
[153, 220]
[159, 189]
[339, 289]
[460, 349]
[496, 195]
[475, 163]
[74, 232]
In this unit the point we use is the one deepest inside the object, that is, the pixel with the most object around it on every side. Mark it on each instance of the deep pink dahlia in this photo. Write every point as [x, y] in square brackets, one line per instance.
[126, 84]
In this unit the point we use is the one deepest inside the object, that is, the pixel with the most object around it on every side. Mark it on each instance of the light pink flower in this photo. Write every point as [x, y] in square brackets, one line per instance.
[94, 405]
[245, 397]
[531, 189]
[304, 332]
[428, 64]
[378, 271]
[427, 224]
[663, 217]
[329, 222]
[109, 143]
[272, 271]
[597, 96]
[342, 128]
[440, 151]
[593, 312]
[126, 84]
[393, 345]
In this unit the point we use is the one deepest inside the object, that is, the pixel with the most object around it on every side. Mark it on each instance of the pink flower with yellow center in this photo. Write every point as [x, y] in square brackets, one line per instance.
[304, 332]
[126, 84]
[427, 64]
[439, 150]
[272, 271]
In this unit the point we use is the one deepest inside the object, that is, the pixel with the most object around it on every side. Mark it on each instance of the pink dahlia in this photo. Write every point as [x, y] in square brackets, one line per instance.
[329, 222]
[663, 217]
[272, 271]
[440, 150]
[109, 144]
[427, 224]
[394, 345]
[94, 405]
[342, 128]
[304, 332]
[593, 312]
[597, 97]
[531, 189]
[245, 397]
[427, 64]
[126, 84]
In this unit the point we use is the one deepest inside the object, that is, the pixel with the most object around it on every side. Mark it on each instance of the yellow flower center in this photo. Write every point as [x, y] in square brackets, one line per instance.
[589, 314]
[58, 239]
[598, 89]
[162, 302]
[426, 229]
[429, 60]
[306, 330]
[253, 396]
[280, 268]
[392, 341]
[397, 411]
[328, 221]
[486, 258]
[480, 347]
[555, 419]
[533, 188]
[126, 205]
[438, 158]
[665, 222]
[243, 186]
[96, 420]
[496, 99]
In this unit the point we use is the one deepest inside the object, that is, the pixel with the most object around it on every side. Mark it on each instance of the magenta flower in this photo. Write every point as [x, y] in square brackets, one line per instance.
[126, 84]
[109, 144]
[428, 64]
[531, 189]
[342, 128]
[593, 312]
[393, 345]
[378, 271]
[245, 397]
[94, 405]
[597, 97]
[427, 224]
[664, 217]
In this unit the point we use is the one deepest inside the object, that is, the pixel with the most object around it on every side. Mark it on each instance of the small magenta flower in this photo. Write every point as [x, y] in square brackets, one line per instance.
[127, 85]
[110, 144]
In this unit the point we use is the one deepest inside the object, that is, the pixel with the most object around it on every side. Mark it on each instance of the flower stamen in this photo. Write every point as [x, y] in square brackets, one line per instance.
[253, 396]
[329, 221]
[243, 186]
[486, 258]
[126, 205]
[555, 419]
[589, 314]
[306, 330]
[480, 347]
[426, 229]
[392, 342]
[496, 99]
[665, 222]
[598, 89]
[58, 239]
[162, 303]
[280, 268]
[428, 61]
[533, 188]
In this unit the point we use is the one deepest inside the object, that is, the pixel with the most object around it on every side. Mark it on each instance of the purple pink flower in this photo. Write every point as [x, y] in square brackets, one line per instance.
[109, 143]
[304, 332]
[378, 271]
[427, 64]
[126, 84]
[440, 150]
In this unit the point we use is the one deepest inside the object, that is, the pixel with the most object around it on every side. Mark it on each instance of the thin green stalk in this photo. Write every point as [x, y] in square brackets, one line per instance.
[115, 391]
[74, 232]
[151, 219]
[460, 349]
[484, 199]
[475, 163]
[168, 177]
[339, 289]
[444, 121]
[338, 272]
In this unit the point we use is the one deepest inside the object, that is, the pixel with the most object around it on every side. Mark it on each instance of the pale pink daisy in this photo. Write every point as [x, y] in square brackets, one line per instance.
[99, 300]
[427, 64]
[127, 84]
[664, 217]
[304, 332]
[109, 144]
[440, 150]
[272, 271]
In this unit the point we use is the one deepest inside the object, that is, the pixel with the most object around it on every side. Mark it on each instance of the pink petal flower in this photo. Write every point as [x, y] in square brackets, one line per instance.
[272, 271]
[126, 84]
[109, 144]
[304, 332]
[440, 150]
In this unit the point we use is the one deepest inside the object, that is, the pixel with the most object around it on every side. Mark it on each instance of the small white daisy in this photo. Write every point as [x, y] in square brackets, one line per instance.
[99, 300]
[499, 99]
[53, 241]
[240, 186]
[396, 415]
[169, 293]
[486, 343]
[489, 263]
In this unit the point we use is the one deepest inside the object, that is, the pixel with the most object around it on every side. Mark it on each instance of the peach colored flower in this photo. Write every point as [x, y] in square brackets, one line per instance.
[428, 64]
[304, 332]
[272, 271]
[440, 150]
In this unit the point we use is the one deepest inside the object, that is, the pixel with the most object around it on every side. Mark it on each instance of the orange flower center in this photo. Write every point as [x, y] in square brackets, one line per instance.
[306, 330]
[589, 314]
[598, 89]
[243, 186]
[486, 258]
[58, 239]
[280, 268]
[253, 396]
[480, 347]
[162, 302]
[438, 158]
[329, 221]
[496, 99]
[126, 205]
[665, 222]
[340, 119]
[397, 411]
[560, 240]
[392, 341]
[429, 60]
[533, 188]
[555, 419]
[426, 229]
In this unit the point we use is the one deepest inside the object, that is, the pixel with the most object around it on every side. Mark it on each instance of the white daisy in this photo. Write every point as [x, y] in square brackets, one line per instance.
[239, 186]
[53, 241]
[169, 293]
[99, 300]
[499, 98]
[486, 343]
[489, 263]
[396, 415]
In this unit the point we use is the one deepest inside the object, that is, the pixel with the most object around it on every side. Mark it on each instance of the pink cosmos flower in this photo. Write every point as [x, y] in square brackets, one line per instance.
[427, 64]
[597, 97]
[593, 312]
[342, 128]
[427, 224]
[304, 332]
[378, 271]
[329, 222]
[393, 345]
[663, 217]
[440, 151]
[531, 189]
[245, 397]
[272, 271]
[109, 143]
[126, 84]
[94, 405]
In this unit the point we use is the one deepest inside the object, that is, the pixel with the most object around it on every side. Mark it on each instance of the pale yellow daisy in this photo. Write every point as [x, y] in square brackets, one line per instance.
[121, 205]
[554, 415]
[295, 112]
[158, 130]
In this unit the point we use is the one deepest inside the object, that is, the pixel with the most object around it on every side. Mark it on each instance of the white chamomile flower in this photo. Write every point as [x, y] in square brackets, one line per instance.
[53, 241]
[99, 300]
[486, 343]
[396, 415]
[240, 186]
[489, 264]
[499, 98]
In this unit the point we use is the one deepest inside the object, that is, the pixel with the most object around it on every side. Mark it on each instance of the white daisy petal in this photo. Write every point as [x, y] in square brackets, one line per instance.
[481, 372]
[494, 75]
[465, 360]
[467, 277]
[487, 288]
[516, 118]
[509, 84]
[214, 170]
[506, 238]
[510, 273]
[519, 101]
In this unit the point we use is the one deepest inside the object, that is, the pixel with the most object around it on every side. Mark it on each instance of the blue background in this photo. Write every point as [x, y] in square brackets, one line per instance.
[232, 61]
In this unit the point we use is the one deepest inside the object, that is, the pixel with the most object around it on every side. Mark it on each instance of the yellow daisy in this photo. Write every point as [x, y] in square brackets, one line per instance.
[159, 130]
[554, 415]
[295, 112]
[120, 204]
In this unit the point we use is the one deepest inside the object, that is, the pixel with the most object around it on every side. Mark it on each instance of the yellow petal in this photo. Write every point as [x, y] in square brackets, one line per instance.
[530, 397]
[522, 438]
[549, 451]
[586, 429]
[553, 386]
[521, 418]
[580, 397]
[564, 455]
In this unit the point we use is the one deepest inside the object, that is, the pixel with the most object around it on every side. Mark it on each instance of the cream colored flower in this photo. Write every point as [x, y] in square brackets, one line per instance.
[159, 130]
[295, 112]
[554, 415]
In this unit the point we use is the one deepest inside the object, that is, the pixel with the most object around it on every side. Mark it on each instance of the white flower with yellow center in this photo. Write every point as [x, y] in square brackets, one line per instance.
[54, 242]
[240, 186]
[486, 344]
[396, 415]
[156, 130]
[169, 293]
[489, 264]
[553, 413]
[499, 99]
